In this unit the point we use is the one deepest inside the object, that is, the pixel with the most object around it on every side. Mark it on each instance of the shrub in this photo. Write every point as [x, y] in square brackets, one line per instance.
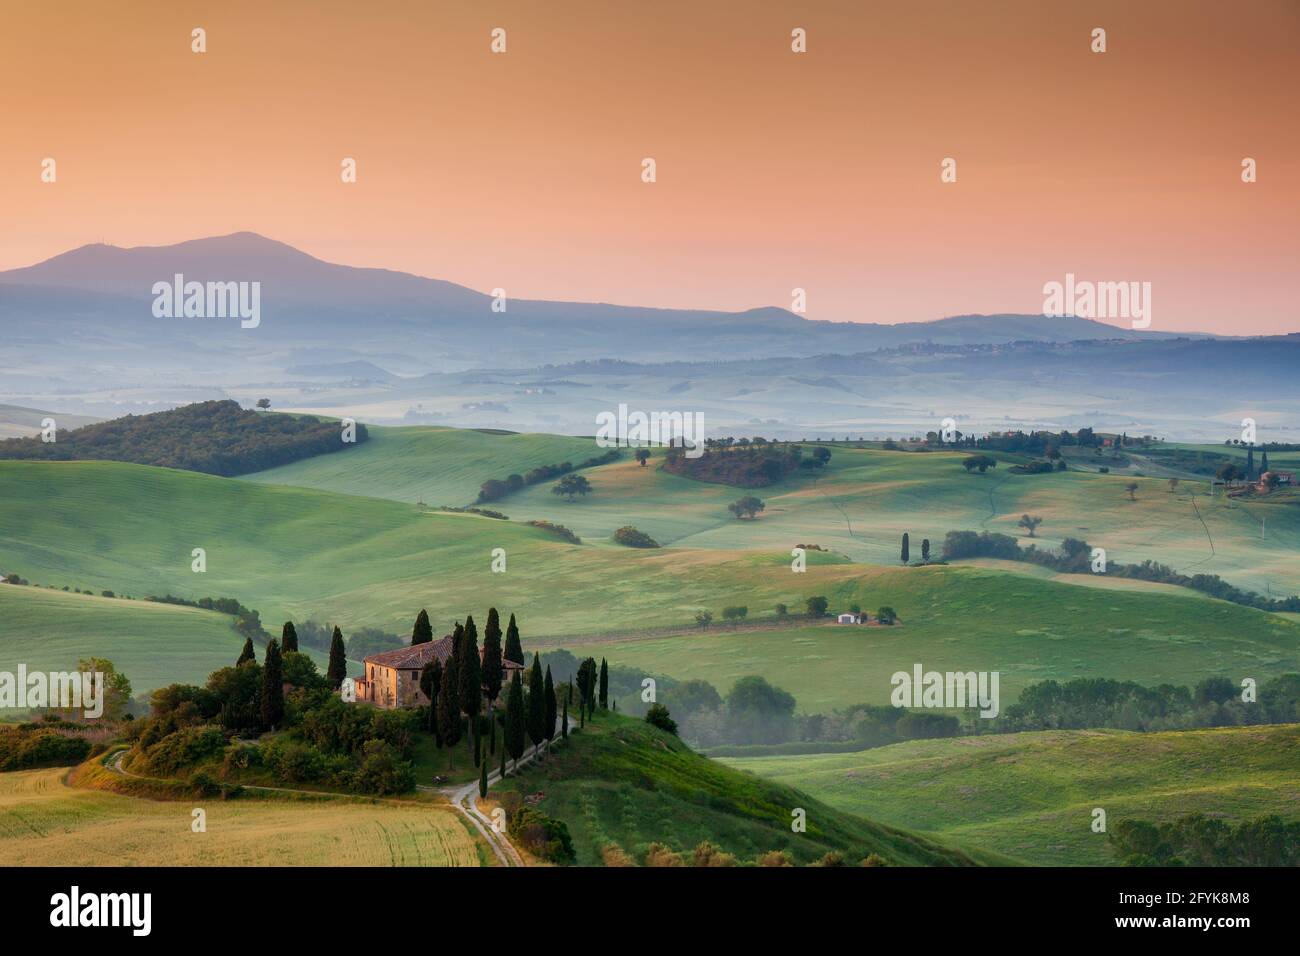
[709, 855]
[817, 606]
[382, 772]
[614, 855]
[735, 613]
[544, 837]
[632, 538]
[775, 858]
[183, 748]
[657, 854]
[22, 749]
[559, 530]
[886, 615]
[657, 716]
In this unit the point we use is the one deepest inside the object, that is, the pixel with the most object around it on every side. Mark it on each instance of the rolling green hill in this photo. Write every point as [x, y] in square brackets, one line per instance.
[152, 644]
[867, 498]
[297, 553]
[622, 782]
[1032, 795]
[440, 466]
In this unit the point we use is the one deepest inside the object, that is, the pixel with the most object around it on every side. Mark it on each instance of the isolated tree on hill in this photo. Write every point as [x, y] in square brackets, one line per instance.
[571, 485]
[925, 550]
[247, 654]
[431, 684]
[906, 551]
[514, 650]
[288, 637]
[746, 507]
[548, 715]
[263, 403]
[449, 708]
[470, 677]
[604, 684]
[536, 705]
[338, 666]
[514, 737]
[1173, 485]
[272, 686]
[816, 606]
[1030, 522]
[422, 633]
[643, 455]
[1131, 488]
[492, 655]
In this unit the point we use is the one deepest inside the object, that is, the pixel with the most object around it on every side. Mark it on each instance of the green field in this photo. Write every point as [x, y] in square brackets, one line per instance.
[440, 466]
[45, 822]
[152, 644]
[622, 782]
[860, 505]
[297, 553]
[960, 618]
[1032, 795]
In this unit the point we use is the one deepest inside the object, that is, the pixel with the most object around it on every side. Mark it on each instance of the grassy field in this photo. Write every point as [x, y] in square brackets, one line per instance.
[1031, 795]
[865, 500]
[860, 505]
[44, 822]
[440, 466]
[959, 618]
[292, 552]
[152, 644]
[622, 782]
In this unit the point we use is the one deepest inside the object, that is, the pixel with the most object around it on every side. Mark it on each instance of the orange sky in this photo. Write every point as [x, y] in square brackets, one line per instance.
[775, 170]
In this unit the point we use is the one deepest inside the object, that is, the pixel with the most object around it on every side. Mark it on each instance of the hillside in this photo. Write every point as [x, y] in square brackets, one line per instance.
[441, 466]
[625, 783]
[218, 438]
[298, 553]
[152, 644]
[1031, 795]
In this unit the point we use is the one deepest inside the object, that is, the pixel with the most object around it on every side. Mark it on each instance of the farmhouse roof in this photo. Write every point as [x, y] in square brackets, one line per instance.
[415, 657]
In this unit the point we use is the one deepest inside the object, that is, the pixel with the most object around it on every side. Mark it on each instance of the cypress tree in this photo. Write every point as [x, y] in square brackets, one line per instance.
[492, 732]
[422, 633]
[514, 738]
[604, 684]
[1250, 463]
[492, 656]
[449, 709]
[1263, 463]
[272, 687]
[548, 719]
[906, 551]
[288, 638]
[471, 680]
[536, 705]
[478, 748]
[431, 684]
[247, 654]
[482, 779]
[503, 754]
[338, 667]
[514, 650]
[564, 721]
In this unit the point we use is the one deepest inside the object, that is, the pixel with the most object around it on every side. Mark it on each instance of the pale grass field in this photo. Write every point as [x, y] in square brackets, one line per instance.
[44, 822]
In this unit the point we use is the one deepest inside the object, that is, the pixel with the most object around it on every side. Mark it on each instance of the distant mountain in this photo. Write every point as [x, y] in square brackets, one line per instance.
[105, 292]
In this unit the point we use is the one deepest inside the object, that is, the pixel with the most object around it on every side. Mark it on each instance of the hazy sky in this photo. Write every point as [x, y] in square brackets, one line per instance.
[775, 170]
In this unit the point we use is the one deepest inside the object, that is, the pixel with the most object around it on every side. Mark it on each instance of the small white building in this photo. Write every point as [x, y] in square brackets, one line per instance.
[850, 618]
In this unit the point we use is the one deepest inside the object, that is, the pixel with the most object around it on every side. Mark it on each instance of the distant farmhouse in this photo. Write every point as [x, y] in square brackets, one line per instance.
[392, 678]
